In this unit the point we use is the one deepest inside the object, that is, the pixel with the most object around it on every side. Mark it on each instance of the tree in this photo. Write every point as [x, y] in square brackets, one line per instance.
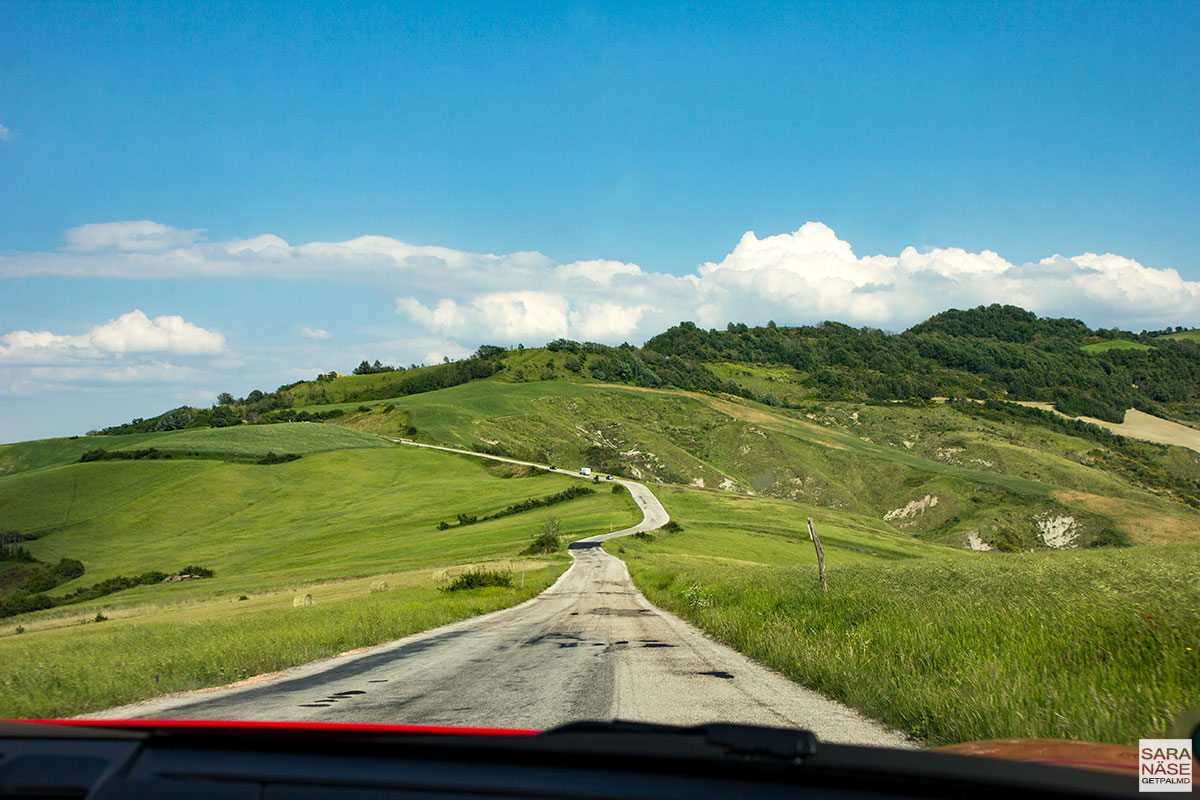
[489, 351]
[174, 420]
[225, 399]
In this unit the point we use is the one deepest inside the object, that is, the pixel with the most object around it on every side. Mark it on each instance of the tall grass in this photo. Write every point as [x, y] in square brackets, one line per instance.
[1101, 646]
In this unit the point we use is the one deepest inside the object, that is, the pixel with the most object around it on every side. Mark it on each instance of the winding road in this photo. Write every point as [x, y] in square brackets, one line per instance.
[589, 647]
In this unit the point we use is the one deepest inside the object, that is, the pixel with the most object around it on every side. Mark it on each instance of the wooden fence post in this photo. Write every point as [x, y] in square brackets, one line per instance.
[812, 534]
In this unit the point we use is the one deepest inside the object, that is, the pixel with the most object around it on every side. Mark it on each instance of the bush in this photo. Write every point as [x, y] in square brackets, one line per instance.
[672, 526]
[1111, 537]
[68, 569]
[546, 540]
[192, 569]
[272, 458]
[619, 489]
[479, 578]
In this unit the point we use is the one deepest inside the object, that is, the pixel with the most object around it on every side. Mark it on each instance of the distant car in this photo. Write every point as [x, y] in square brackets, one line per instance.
[585, 470]
[608, 477]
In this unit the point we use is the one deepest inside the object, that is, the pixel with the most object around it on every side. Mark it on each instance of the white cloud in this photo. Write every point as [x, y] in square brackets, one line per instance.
[141, 236]
[5, 134]
[116, 352]
[800, 277]
[507, 316]
[315, 333]
[136, 333]
[606, 321]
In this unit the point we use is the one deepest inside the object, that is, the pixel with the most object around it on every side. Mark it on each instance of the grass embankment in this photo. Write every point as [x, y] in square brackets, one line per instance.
[1082, 644]
[84, 668]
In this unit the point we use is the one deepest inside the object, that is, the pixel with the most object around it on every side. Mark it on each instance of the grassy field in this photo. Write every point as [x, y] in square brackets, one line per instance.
[42, 453]
[290, 437]
[1101, 645]
[1193, 335]
[328, 515]
[1114, 344]
[988, 477]
[83, 668]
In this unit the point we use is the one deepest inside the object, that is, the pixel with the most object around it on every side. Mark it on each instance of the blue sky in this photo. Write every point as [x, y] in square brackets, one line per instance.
[646, 138]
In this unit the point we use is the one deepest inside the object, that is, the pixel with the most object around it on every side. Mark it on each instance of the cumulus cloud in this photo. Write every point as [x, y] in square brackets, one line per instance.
[5, 134]
[508, 316]
[804, 276]
[315, 333]
[132, 237]
[102, 350]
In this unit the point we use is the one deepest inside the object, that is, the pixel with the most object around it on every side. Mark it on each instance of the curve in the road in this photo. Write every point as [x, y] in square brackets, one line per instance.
[653, 514]
[589, 647]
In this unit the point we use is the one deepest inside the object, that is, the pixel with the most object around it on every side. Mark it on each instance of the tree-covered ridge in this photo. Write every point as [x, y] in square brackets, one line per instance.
[994, 351]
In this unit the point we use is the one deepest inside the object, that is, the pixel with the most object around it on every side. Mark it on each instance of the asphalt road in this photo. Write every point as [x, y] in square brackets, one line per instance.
[590, 647]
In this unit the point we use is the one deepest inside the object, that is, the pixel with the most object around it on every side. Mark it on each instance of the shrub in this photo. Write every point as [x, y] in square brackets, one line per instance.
[192, 569]
[68, 569]
[272, 458]
[544, 541]
[99, 617]
[479, 578]
[243, 597]
[1111, 537]
[672, 526]
[619, 489]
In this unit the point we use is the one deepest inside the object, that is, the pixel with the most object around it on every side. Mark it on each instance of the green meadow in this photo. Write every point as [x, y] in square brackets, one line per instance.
[284, 437]
[328, 515]
[950, 646]
[330, 524]
[42, 453]
[1114, 344]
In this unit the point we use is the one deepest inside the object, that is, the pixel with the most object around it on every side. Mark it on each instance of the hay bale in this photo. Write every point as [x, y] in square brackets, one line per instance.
[302, 600]
[379, 586]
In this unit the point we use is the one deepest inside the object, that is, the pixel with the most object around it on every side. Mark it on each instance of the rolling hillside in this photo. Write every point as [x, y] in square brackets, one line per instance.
[935, 471]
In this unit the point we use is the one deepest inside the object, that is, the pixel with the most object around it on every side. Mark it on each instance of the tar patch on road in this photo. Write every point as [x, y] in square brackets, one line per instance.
[620, 612]
[716, 673]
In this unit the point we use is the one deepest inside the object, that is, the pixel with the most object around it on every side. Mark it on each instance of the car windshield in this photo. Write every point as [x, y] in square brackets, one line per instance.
[829, 366]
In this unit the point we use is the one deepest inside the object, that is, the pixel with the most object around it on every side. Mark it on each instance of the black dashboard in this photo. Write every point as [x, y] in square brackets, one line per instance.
[592, 761]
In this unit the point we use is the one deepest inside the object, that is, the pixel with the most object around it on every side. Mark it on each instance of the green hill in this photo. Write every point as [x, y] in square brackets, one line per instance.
[1000, 479]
